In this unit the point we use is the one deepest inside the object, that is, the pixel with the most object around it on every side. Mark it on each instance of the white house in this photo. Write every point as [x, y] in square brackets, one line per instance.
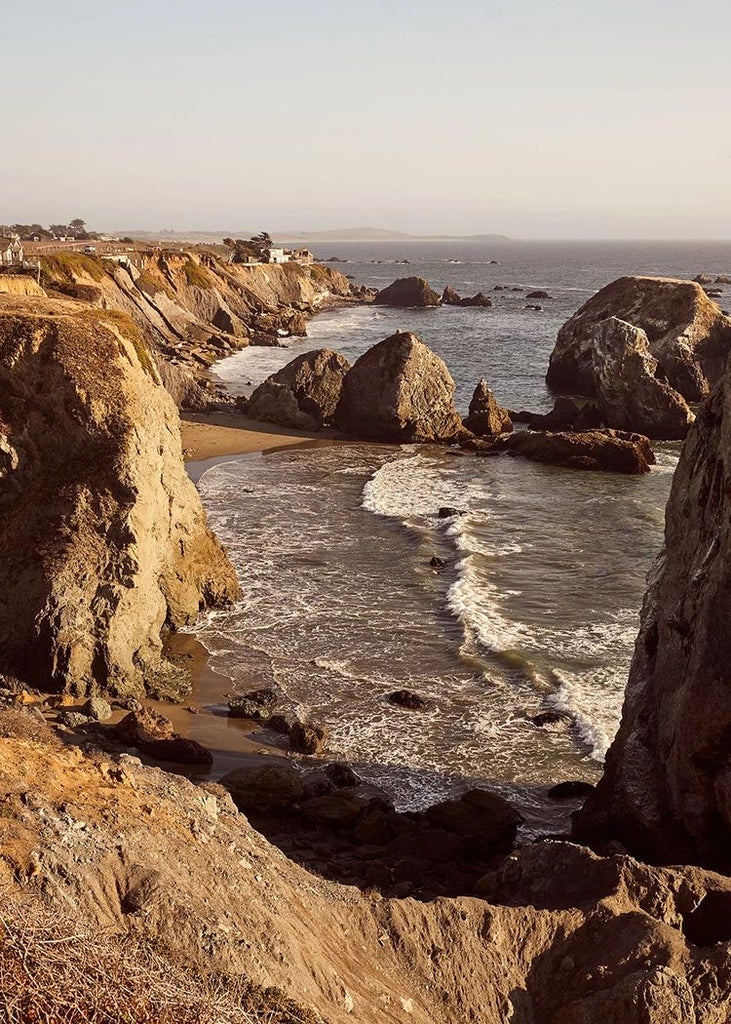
[11, 250]
[275, 256]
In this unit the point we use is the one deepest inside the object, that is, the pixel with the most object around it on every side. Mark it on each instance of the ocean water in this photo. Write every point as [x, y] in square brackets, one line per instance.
[537, 606]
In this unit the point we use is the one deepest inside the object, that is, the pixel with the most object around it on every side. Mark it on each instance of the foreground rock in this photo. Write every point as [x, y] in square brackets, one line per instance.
[399, 391]
[408, 291]
[609, 451]
[304, 394]
[105, 541]
[666, 791]
[486, 418]
[687, 333]
[629, 395]
[559, 936]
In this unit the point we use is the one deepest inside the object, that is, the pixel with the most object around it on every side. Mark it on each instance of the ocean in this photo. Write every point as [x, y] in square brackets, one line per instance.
[537, 607]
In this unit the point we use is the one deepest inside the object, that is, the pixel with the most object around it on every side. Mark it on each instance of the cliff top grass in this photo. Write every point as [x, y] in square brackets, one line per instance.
[64, 268]
[195, 275]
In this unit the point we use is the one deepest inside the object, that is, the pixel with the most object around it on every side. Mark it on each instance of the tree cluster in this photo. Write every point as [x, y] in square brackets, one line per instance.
[245, 248]
[74, 229]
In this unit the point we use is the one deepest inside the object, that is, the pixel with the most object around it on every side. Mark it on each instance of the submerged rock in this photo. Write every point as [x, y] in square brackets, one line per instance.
[486, 418]
[257, 704]
[478, 300]
[666, 790]
[399, 391]
[307, 737]
[687, 333]
[104, 537]
[303, 394]
[408, 699]
[407, 291]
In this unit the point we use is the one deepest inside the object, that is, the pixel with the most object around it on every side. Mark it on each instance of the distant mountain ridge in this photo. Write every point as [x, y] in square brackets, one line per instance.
[334, 235]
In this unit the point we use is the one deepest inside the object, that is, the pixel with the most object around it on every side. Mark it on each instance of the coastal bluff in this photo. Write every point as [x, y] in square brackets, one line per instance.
[666, 791]
[104, 540]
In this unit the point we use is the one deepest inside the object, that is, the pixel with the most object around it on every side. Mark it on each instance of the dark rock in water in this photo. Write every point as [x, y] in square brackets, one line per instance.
[307, 737]
[280, 723]
[553, 721]
[538, 294]
[499, 288]
[703, 278]
[571, 789]
[263, 788]
[485, 818]
[399, 391]
[714, 293]
[436, 562]
[517, 288]
[611, 451]
[303, 394]
[486, 418]
[450, 297]
[342, 775]
[408, 699]
[537, 308]
[257, 704]
[477, 300]
[446, 512]
[407, 291]
[687, 334]
[178, 750]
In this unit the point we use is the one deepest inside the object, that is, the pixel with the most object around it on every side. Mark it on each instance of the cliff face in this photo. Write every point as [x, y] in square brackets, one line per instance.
[193, 308]
[688, 334]
[104, 540]
[560, 937]
[666, 791]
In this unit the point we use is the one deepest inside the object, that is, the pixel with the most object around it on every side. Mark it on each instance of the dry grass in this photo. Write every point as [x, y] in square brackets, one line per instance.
[55, 971]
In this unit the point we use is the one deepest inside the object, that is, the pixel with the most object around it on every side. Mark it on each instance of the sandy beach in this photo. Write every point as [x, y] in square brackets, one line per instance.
[212, 435]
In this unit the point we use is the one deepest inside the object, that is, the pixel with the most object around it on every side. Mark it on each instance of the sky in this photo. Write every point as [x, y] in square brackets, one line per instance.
[531, 118]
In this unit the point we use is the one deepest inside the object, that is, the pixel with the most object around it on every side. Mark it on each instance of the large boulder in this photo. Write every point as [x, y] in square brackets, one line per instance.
[610, 451]
[304, 393]
[666, 791]
[399, 391]
[486, 418]
[629, 395]
[408, 291]
[687, 333]
[105, 541]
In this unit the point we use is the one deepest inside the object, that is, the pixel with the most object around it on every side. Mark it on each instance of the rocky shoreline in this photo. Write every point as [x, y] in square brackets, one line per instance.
[433, 916]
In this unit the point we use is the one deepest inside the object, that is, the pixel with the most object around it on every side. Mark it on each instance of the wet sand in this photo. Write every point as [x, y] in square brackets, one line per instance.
[208, 439]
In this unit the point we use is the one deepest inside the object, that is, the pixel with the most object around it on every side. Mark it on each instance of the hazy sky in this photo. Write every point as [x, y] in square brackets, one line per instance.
[571, 118]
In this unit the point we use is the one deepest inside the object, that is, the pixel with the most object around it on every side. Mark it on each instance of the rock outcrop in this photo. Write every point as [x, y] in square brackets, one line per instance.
[408, 291]
[687, 333]
[610, 451]
[559, 935]
[666, 791]
[486, 418]
[399, 391]
[303, 394]
[104, 540]
[629, 394]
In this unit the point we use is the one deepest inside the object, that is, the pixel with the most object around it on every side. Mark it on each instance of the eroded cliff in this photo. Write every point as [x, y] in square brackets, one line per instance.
[104, 540]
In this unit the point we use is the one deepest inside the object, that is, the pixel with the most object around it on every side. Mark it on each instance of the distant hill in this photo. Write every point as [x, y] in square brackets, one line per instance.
[336, 235]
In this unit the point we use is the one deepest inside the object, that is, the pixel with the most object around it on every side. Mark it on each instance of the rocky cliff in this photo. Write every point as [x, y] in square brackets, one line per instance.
[104, 541]
[194, 308]
[688, 334]
[559, 936]
[666, 791]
